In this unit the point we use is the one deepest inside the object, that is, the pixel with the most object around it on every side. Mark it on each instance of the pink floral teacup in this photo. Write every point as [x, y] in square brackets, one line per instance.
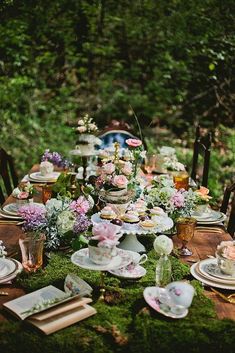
[101, 255]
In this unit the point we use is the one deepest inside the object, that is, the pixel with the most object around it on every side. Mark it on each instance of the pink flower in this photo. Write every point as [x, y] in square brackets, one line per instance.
[106, 234]
[80, 206]
[120, 181]
[23, 195]
[133, 142]
[108, 168]
[127, 168]
[178, 199]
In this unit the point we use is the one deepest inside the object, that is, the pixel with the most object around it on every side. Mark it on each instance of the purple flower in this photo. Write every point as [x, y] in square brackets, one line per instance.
[34, 217]
[81, 224]
[55, 158]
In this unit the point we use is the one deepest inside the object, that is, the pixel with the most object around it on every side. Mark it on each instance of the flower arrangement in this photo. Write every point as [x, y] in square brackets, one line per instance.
[162, 193]
[61, 220]
[170, 160]
[202, 196]
[55, 158]
[105, 235]
[24, 191]
[116, 173]
[86, 125]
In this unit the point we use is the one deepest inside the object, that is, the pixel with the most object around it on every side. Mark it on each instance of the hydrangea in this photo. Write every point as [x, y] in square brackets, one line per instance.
[163, 245]
[34, 217]
[81, 224]
[55, 158]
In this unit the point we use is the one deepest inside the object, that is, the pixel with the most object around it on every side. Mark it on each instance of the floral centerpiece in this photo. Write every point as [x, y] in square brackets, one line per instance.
[55, 158]
[86, 141]
[23, 193]
[61, 220]
[176, 203]
[202, 199]
[103, 242]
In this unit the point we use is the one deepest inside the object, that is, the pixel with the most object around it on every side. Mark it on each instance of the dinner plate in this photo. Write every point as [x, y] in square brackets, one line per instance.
[152, 297]
[137, 272]
[209, 267]
[6, 215]
[7, 267]
[209, 282]
[12, 208]
[12, 275]
[210, 218]
[38, 177]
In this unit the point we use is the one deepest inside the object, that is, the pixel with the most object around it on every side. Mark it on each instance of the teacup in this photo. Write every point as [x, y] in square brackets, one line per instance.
[137, 259]
[227, 266]
[180, 293]
[46, 168]
[101, 255]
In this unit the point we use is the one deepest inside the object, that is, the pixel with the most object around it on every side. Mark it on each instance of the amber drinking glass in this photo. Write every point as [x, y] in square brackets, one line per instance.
[185, 227]
[181, 180]
[46, 192]
[31, 251]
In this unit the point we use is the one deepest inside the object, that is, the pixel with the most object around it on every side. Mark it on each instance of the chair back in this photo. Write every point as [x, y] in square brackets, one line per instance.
[226, 204]
[202, 146]
[116, 131]
[9, 179]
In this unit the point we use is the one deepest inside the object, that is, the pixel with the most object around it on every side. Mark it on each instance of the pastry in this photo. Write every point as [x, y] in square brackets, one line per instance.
[107, 213]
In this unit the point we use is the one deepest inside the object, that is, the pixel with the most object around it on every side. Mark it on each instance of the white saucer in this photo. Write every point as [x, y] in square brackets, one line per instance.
[137, 272]
[151, 296]
[209, 282]
[81, 258]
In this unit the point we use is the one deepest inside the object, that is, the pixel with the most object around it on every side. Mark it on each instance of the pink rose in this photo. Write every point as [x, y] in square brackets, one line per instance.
[106, 234]
[178, 199]
[127, 168]
[23, 195]
[120, 181]
[133, 142]
[81, 206]
[108, 168]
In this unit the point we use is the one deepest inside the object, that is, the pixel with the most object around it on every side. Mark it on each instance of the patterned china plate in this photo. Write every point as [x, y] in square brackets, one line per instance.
[38, 177]
[151, 296]
[81, 258]
[137, 272]
[12, 208]
[11, 276]
[207, 281]
[209, 267]
[7, 267]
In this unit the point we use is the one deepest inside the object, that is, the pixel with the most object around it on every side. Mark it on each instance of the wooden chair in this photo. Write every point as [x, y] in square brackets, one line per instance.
[9, 179]
[116, 131]
[225, 205]
[202, 146]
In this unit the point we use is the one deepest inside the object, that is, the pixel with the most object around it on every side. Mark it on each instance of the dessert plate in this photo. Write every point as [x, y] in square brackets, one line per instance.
[207, 281]
[81, 258]
[38, 177]
[152, 297]
[209, 267]
[137, 272]
[7, 267]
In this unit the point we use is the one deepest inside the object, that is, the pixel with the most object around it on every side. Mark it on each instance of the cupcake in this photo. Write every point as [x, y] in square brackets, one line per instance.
[147, 224]
[157, 211]
[107, 213]
[131, 217]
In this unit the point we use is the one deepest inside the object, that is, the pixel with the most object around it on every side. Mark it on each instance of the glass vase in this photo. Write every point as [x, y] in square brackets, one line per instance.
[163, 271]
[31, 247]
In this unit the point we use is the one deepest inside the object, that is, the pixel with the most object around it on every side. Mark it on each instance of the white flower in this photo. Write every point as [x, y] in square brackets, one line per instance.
[3, 252]
[16, 192]
[143, 154]
[92, 127]
[81, 129]
[127, 168]
[163, 245]
[128, 155]
[53, 205]
[81, 122]
[65, 221]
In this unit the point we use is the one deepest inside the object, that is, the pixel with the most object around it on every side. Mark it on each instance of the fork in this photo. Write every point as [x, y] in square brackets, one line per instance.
[228, 298]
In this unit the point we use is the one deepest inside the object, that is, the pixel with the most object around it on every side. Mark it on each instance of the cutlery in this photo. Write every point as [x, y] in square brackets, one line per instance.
[210, 229]
[228, 298]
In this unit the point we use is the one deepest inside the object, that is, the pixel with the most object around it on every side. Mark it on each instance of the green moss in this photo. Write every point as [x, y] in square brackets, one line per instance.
[125, 323]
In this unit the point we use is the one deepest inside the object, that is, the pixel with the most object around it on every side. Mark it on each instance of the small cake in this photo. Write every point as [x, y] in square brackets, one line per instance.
[141, 211]
[147, 224]
[131, 217]
[157, 211]
[107, 213]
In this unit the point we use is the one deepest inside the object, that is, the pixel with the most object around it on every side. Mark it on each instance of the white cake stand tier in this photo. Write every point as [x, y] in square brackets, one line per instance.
[132, 230]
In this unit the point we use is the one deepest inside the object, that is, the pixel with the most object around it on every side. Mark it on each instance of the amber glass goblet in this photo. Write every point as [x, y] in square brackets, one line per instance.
[185, 227]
